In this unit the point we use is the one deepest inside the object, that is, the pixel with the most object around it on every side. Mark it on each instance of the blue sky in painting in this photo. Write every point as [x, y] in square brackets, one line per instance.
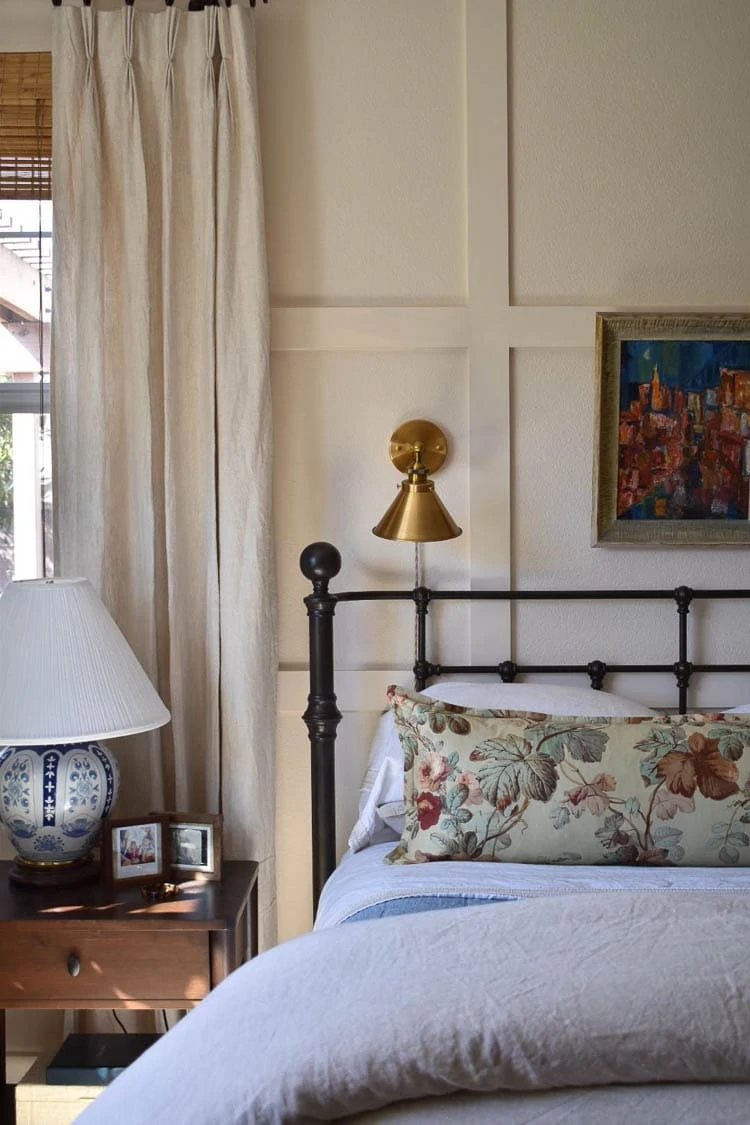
[690, 364]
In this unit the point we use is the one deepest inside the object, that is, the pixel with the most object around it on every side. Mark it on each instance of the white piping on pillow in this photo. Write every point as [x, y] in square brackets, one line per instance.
[383, 783]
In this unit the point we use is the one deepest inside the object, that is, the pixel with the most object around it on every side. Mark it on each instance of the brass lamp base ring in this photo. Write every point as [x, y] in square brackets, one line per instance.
[433, 441]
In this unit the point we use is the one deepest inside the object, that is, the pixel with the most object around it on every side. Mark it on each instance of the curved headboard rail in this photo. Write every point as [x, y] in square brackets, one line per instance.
[321, 562]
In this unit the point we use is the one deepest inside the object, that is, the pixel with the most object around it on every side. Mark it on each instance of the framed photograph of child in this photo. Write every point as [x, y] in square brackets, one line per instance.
[135, 850]
[194, 845]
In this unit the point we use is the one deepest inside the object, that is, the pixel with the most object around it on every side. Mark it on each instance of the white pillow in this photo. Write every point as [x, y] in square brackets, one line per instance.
[549, 699]
[383, 783]
[743, 709]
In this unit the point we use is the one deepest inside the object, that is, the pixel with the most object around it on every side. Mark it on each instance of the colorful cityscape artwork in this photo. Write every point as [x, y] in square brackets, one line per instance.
[684, 430]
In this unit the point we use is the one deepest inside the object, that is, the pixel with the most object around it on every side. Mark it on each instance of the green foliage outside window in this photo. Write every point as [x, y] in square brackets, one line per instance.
[6, 470]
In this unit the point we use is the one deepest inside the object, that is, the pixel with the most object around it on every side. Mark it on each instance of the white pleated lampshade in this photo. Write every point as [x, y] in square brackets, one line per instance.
[67, 674]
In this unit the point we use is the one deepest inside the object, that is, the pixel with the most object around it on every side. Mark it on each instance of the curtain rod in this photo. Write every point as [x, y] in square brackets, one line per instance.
[193, 5]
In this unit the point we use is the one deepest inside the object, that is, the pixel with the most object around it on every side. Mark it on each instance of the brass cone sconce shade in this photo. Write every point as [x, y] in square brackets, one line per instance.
[417, 515]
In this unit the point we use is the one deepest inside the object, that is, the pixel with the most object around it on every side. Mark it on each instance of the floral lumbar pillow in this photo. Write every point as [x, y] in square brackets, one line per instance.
[531, 788]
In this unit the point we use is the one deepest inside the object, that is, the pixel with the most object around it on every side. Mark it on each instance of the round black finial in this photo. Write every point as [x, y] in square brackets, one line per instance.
[320, 562]
[597, 670]
[507, 670]
[683, 670]
[683, 595]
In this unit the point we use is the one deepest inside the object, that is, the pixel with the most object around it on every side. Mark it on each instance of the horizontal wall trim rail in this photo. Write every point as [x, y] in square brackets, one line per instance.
[365, 328]
[370, 328]
[425, 327]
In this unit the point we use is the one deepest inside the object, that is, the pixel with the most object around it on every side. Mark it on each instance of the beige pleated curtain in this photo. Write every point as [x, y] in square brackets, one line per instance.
[161, 398]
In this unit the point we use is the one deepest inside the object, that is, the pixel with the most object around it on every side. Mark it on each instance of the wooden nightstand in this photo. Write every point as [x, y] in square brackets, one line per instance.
[98, 947]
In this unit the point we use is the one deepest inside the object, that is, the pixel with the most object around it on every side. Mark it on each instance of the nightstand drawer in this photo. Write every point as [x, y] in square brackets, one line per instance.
[117, 965]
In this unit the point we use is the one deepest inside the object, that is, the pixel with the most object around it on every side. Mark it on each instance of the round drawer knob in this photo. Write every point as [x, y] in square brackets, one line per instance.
[74, 965]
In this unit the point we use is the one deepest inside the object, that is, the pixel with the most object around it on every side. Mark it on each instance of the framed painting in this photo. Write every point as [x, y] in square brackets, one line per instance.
[672, 443]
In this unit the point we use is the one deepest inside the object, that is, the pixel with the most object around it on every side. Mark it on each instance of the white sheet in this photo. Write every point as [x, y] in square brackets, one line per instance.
[363, 880]
[654, 1104]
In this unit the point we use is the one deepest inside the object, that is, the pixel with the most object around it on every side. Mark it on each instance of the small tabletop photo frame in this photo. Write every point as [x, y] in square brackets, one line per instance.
[135, 850]
[194, 846]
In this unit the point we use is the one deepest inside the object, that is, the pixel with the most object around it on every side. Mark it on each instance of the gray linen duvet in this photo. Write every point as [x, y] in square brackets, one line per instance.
[529, 1003]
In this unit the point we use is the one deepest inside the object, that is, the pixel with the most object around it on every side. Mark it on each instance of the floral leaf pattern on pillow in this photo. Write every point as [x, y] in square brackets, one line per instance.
[528, 787]
[593, 796]
[514, 769]
[586, 744]
[700, 766]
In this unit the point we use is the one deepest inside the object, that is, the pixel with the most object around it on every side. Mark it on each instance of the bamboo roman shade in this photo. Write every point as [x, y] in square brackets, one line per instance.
[26, 125]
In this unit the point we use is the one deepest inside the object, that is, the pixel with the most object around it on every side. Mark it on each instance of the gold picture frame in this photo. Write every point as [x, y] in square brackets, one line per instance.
[672, 441]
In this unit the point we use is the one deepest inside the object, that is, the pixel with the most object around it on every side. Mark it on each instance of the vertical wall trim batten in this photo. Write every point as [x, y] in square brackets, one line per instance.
[489, 300]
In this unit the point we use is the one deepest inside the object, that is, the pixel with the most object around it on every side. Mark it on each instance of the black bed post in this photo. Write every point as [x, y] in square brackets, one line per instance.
[422, 670]
[683, 669]
[320, 562]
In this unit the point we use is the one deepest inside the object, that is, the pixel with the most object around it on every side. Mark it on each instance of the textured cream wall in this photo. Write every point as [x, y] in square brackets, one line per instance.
[629, 152]
[552, 438]
[363, 128]
[363, 150]
[334, 412]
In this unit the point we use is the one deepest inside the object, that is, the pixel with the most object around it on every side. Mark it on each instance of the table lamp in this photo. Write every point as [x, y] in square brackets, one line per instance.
[67, 678]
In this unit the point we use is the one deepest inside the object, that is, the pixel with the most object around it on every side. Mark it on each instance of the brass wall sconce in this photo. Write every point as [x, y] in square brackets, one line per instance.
[417, 515]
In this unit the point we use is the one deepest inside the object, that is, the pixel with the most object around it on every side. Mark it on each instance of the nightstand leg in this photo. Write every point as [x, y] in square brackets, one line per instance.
[254, 920]
[7, 1092]
[223, 956]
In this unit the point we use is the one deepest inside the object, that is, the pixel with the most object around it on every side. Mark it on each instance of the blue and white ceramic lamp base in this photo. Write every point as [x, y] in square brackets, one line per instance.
[53, 800]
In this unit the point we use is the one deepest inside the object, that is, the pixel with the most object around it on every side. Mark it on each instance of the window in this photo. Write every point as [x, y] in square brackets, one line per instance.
[25, 314]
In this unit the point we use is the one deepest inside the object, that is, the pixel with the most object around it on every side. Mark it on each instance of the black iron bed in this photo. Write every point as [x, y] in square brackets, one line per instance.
[587, 999]
[321, 562]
